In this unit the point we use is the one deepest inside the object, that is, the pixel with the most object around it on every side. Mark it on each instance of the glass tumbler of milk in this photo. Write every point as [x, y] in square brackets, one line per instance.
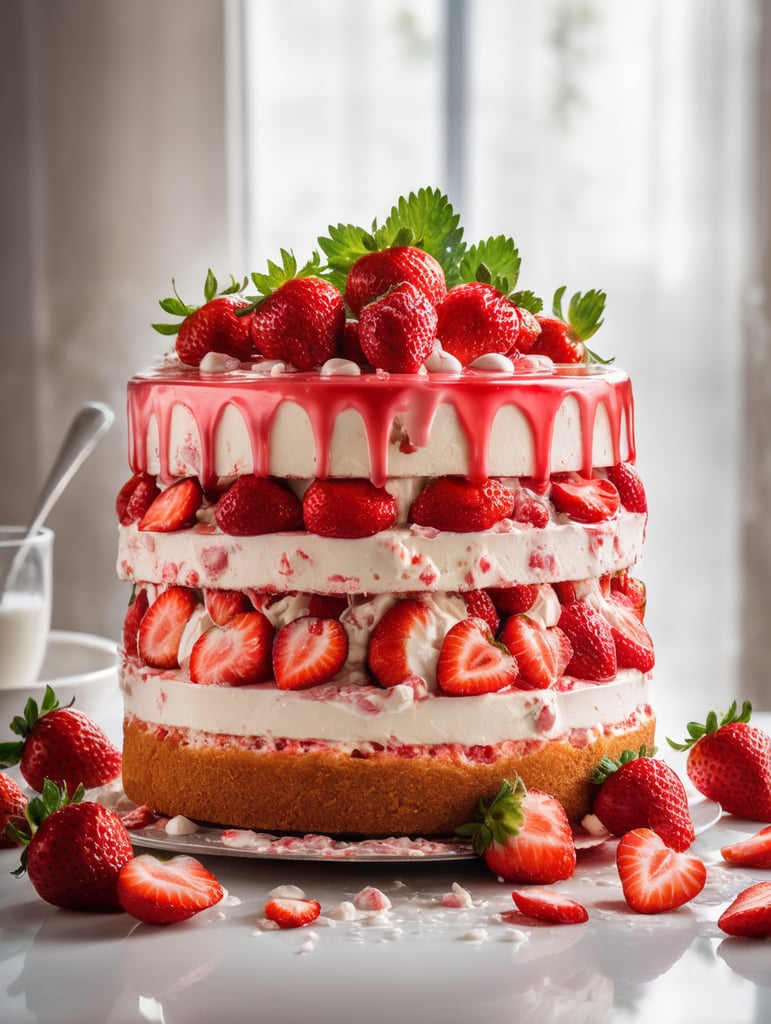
[25, 603]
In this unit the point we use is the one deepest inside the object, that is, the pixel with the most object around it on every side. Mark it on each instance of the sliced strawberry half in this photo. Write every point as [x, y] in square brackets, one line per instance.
[629, 485]
[348, 508]
[749, 916]
[235, 654]
[289, 912]
[223, 605]
[624, 584]
[174, 508]
[471, 662]
[166, 891]
[162, 626]
[135, 612]
[754, 852]
[634, 647]
[480, 605]
[549, 905]
[308, 651]
[459, 505]
[590, 636]
[654, 877]
[542, 653]
[135, 498]
[256, 505]
[585, 501]
[403, 632]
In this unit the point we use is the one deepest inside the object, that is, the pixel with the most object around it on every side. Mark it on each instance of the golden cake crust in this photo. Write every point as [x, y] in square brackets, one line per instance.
[334, 793]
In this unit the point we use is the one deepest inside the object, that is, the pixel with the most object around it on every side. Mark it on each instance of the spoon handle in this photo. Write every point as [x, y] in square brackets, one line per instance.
[91, 422]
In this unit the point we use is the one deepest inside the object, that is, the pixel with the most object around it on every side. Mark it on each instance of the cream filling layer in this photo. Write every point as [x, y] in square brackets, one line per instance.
[404, 714]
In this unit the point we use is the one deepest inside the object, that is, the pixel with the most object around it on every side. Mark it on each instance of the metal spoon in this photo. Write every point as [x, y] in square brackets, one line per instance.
[91, 422]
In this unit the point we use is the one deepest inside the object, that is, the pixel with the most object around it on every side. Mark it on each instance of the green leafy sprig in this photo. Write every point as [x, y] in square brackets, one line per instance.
[175, 306]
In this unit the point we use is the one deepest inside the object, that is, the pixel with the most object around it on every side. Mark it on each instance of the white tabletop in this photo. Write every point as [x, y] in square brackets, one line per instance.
[418, 962]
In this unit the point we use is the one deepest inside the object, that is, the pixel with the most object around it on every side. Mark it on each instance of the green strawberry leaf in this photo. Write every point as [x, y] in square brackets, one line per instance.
[527, 300]
[175, 306]
[713, 722]
[279, 274]
[503, 818]
[494, 261]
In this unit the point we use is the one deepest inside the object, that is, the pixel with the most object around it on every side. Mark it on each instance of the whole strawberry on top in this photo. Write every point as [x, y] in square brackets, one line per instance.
[563, 336]
[220, 324]
[729, 761]
[73, 850]
[61, 744]
[638, 790]
[523, 835]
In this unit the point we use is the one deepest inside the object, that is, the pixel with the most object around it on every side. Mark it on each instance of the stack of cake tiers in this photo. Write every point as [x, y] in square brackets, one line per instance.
[380, 529]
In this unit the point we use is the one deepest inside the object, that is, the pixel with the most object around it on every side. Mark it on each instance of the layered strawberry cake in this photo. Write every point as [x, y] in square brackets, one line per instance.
[381, 529]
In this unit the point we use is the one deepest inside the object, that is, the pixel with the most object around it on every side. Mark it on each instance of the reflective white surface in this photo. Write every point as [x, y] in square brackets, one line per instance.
[418, 962]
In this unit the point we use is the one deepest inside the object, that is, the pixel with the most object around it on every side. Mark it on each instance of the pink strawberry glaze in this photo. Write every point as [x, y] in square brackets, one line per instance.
[377, 398]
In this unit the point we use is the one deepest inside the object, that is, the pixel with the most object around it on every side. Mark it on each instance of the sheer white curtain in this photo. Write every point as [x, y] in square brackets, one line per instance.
[617, 144]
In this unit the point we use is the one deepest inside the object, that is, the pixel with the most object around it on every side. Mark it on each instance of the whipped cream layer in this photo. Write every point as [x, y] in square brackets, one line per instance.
[402, 715]
[185, 422]
[394, 561]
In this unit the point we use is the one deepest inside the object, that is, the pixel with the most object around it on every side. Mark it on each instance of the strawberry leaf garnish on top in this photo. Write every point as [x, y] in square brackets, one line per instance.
[424, 219]
[278, 274]
[585, 311]
[175, 306]
[496, 261]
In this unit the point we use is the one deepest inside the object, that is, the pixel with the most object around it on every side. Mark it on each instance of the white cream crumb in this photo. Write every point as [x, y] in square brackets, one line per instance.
[287, 892]
[513, 935]
[309, 945]
[592, 824]
[340, 368]
[344, 911]
[443, 362]
[267, 925]
[475, 935]
[180, 826]
[371, 899]
[493, 362]
[458, 898]
[218, 362]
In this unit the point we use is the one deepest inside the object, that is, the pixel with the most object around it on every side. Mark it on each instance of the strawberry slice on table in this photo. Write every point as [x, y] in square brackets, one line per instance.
[162, 626]
[223, 605]
[549, 905]
[584, 500]
[634, 647]
[291, 912]
[398, 641]
[73, 850]
[255, 505]
[166, 891]
[235, 654]
[375, 273]
[397, 331]
[542, 653]
[631, 491]
[135, 497]
[461, 506]
[563, 337]
[523, 835]
[637, 790]
[749, 916]
[135, 612]
[347, 508]
[173, 509]
[654, 877]
[308, 651]
[13, 804]
[590, 636]
[471, 661]
[754, 852]
[220, 324]
[729, 761]
[63, 745]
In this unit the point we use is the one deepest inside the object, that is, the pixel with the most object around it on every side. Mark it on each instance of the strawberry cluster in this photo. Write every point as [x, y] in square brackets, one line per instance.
[386, 298]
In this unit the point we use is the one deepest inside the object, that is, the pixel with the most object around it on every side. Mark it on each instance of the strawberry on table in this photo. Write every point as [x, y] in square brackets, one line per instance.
[397, 331]
[402, 633]
[563, 338]
[754, 852]
[461, 506]
[654, 877]
[299, 317]
[590, 636]
[375, 273]
[13, 803]
[523, 835]
[235, 654]
[749, 916]
[549, 905]
[542, 653]
[255, 505]
[162, 626]
[166, 891]
[729, 761]
[221, 324]
[60, 744]
[173, 509]
[584, 500]
[471, 661]
[308, 651]
[291, 912]
[73, 850]
[637, 790]
[347, 508]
